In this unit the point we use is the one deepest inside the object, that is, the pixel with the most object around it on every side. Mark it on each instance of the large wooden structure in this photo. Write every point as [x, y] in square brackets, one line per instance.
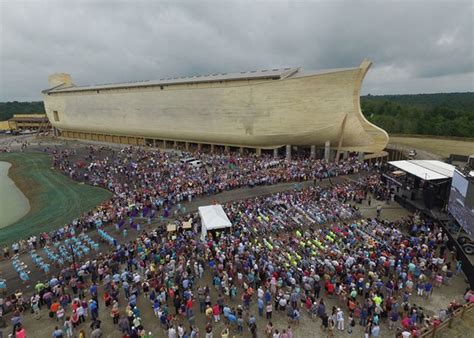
[264, 110]
[35, 122]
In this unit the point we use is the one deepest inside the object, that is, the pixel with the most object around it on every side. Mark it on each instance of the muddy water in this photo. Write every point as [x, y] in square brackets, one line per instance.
[13, 203]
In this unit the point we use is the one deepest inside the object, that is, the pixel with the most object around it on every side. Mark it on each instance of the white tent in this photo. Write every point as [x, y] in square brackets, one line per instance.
[213, 217]
[426, 170]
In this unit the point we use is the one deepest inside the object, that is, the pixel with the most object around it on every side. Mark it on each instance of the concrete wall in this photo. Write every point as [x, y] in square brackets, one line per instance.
[301, 110]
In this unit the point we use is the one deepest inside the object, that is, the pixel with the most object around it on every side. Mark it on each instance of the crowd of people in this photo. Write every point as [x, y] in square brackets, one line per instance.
[144, 182]
[304, 252]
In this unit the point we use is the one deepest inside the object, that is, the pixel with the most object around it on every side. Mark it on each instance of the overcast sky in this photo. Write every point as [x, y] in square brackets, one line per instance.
[416, 46]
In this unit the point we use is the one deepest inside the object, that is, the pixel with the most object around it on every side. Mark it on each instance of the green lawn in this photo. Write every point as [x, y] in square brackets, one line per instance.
[55, 199]
[438, 146]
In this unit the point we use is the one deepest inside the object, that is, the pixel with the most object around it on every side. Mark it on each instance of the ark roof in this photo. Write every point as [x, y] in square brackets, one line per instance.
[254, 74]
[247, 75]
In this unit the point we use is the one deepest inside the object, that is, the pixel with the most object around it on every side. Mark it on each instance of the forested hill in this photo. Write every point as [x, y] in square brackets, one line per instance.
[428, 114]
[7, 109]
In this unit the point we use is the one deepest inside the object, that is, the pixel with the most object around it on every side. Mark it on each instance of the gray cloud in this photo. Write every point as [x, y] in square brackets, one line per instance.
[416, 46]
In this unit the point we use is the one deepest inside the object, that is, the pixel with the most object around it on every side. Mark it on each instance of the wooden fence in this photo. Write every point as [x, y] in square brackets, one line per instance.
[448, 322]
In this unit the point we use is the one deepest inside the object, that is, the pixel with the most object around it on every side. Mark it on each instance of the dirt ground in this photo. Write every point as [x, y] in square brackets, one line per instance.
[439, 147]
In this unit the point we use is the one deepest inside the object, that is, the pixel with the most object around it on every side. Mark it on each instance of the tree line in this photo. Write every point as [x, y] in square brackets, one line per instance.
[450, 114]
[7, 109]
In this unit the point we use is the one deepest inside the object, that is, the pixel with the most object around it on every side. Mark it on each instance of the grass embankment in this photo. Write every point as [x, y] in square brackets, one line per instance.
[54, 199]
[438, 146]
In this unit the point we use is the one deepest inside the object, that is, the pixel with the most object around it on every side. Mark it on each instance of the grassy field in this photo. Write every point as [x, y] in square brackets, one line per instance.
[438, 146]
[54, 198]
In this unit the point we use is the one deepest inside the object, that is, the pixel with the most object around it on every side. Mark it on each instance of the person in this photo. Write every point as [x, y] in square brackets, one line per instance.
[269, 330]
[209, 312]
[253, 330]
[172, 332]
[296, 316]
[340, 319]
[36, 309]
[367, 329]
[96, 333]
[115, 312]
[216, 313]
[180, 330]
[324, 321]
[375, 331]
[20, 332]
[331, 326]
[194, 332]
[124, 325]
[60, 314]
[15, 248]
[351, 323]
[394, 316]
[260, 306]
[57, 333]
[225, 332]
[208, 330]
[16, 320]
[68, 327]
[269, 310]
[53, 309]
[93, 309]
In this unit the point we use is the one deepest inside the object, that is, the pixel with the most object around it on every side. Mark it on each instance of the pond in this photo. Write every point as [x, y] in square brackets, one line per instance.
[13, 203]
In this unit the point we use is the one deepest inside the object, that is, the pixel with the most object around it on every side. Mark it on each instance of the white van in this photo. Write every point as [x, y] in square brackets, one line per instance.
[187, 160]
[196, 163]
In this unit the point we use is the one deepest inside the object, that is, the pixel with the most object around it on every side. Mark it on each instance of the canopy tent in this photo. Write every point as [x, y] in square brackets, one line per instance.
[213, 217]
[426, 170]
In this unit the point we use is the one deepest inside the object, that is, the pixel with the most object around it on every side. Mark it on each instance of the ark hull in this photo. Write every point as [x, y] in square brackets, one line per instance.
[296, 109]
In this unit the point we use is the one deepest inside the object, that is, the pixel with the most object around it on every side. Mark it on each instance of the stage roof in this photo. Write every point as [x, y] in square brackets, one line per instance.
[426, 170]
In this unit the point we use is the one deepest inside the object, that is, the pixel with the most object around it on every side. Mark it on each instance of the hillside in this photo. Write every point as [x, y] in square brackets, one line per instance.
[7, 109]
[442, 114]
